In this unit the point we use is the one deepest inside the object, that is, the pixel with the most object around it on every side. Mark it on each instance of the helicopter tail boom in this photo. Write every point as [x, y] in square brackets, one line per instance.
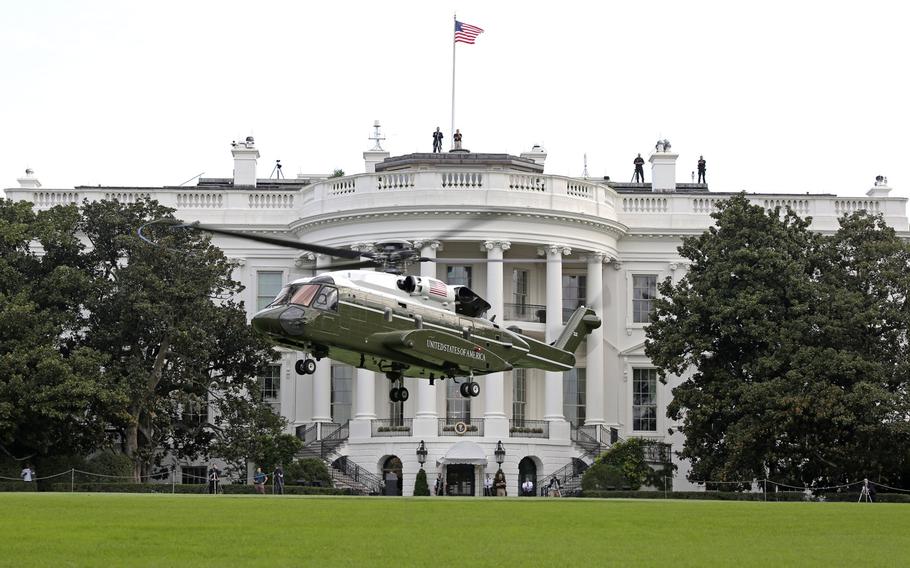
[580, 324]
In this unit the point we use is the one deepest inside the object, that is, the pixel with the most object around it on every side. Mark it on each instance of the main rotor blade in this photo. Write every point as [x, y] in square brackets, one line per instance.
[319, 249]
[353, 265]
[443, 260]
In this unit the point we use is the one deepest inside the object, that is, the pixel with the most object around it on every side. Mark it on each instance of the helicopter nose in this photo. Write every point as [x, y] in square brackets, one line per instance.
[280, 321]
[267, 322]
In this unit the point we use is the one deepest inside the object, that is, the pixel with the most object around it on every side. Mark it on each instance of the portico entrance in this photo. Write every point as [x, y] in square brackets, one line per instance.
[460, 479]
[462, 468]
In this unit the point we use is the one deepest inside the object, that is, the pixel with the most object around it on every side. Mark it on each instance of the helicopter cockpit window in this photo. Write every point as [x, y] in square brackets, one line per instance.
[282, 297]
[304, 294]
[327, 299]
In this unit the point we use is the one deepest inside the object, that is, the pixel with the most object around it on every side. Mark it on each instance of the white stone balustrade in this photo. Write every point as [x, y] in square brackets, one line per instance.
[463, 189]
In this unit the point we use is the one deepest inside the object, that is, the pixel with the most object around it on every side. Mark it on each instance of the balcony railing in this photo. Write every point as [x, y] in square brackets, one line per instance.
[456, 427]
[525, 312]
[529, 429]
[391, 428]
[657, 452]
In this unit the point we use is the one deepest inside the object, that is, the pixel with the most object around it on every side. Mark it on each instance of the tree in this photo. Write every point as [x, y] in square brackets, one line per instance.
[604, 477]
[163, 319]
[247, 432]
[52, 390]
[796, 344]
[308, 471]
[421, 488]
[624, 464]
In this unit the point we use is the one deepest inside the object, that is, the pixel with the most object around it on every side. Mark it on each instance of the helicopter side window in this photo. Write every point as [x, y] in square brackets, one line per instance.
[327, 299]
[305, 294]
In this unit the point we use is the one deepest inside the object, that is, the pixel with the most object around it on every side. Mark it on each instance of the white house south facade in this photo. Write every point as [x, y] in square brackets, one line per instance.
[580, 241]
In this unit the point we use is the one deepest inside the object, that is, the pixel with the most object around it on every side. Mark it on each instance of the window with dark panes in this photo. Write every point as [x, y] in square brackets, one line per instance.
[644, 400]
[268, 285]
[644, 291]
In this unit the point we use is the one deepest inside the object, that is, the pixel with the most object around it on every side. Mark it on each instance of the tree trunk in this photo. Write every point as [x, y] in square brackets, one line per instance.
[131, 444]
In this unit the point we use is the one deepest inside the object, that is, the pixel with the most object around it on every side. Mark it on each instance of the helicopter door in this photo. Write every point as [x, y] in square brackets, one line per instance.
[326, 301]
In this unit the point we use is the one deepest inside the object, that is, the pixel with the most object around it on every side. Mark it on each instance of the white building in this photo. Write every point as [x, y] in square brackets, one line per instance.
[602, 243]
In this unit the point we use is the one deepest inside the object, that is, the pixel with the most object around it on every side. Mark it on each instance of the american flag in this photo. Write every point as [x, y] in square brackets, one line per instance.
[466, 33]
[438, 288]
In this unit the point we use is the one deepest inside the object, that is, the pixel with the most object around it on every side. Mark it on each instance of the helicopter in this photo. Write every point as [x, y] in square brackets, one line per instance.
[400, 325]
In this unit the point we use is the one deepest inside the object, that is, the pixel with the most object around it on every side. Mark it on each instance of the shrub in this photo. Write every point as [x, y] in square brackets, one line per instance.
[112, 464]
[309, 471]
[629, 457]
[604, 477]
[420, 485]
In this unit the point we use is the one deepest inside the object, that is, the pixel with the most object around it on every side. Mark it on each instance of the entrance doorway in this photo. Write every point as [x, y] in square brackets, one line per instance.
[460, 479]
[391, 475]
[527, 471]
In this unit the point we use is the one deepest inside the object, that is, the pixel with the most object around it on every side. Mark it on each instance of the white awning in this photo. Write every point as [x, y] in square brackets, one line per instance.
[465, 451]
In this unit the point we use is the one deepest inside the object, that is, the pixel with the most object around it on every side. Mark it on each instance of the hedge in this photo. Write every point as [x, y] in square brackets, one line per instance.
[743, 496]
[17, 487]
[228, 489]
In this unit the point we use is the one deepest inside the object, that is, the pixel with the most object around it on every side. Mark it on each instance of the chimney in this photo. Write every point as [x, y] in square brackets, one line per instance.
[879, 189]
[376, 154]
[536, 154]
[663, 167]
[29, 181]
[245, 156]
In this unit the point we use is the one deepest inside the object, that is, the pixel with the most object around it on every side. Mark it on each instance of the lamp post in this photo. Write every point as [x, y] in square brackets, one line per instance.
[500, 453]
[422, 454]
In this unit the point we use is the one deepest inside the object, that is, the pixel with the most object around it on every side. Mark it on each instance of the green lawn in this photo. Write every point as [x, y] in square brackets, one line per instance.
[54, 529]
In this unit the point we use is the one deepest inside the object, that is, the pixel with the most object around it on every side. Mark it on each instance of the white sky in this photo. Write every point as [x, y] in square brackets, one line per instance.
[778, 96]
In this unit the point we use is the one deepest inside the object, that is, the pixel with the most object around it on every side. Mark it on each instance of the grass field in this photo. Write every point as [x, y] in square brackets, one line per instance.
[48, 529]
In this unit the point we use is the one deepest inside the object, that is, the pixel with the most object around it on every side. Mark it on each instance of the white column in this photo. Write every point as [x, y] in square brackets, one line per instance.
[495, 420]
[365, 403]
[615, 392]
[322, 378]
[595, 343]
[427, 413]
[364, 385]
[553, 380]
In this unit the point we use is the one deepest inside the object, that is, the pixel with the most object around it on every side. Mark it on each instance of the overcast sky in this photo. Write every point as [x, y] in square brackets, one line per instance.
[787, 97]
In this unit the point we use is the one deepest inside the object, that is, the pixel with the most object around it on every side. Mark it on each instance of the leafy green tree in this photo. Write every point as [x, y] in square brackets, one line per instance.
[52, 390]
[604, 477]
[308, 471]
[421, 488]
[627, 457]
[794, 344]
[163, 319]
[250, 432]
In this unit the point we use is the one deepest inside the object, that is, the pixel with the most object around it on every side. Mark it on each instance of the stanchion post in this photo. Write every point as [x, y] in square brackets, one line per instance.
[764, 489]
[72, 479]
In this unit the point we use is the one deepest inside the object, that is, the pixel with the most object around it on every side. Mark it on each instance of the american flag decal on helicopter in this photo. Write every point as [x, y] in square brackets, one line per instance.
[438, 288]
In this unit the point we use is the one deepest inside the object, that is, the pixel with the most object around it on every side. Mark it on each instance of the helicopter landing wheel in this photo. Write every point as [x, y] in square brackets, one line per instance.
[473, 388]
[305, 366]
[398, 394]
[463, 389]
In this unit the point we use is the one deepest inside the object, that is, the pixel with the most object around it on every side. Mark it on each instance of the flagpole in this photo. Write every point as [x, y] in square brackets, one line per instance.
[452, 125]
